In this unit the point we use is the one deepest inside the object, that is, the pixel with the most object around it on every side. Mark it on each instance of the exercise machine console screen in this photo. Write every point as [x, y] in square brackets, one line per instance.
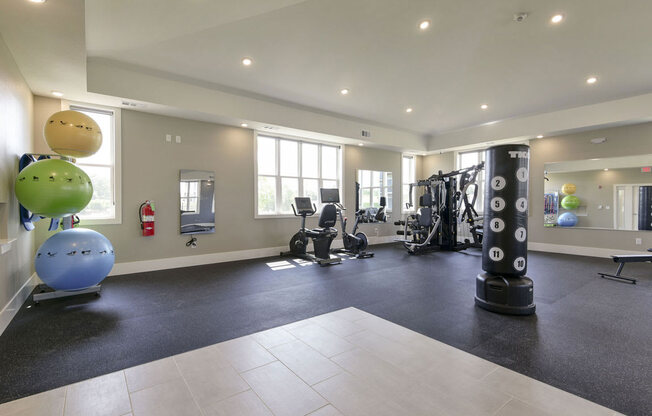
[303, 205]
[330, 195]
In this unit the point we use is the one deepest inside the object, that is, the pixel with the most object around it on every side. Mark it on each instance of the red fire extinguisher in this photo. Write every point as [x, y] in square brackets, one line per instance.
[146, 215]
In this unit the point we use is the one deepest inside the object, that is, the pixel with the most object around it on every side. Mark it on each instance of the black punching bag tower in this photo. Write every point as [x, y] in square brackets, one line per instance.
[645, 208]
[504, 288]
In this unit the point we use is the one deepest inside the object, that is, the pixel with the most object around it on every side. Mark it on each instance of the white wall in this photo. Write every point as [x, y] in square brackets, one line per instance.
[17, 246]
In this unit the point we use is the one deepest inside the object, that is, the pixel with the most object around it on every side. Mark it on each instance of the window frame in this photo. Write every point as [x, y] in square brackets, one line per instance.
[278, 137]
[116, 154]
[404, 209]
[188, 198]
[383, 189]
[479, 206]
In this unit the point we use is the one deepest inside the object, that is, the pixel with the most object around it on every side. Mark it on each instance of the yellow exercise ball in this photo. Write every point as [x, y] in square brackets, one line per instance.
[71, 133]
[568, 189]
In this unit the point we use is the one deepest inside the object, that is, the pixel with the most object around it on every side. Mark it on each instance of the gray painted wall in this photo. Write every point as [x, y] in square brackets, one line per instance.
[150, 170]
[16, 103]
[434, 163]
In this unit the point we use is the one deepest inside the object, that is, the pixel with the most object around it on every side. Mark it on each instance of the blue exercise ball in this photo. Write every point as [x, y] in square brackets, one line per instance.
[74, 259]
[567, 219]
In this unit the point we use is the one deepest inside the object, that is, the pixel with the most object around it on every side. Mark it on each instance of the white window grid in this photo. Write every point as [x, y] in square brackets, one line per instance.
[279, 178]
[115, 167]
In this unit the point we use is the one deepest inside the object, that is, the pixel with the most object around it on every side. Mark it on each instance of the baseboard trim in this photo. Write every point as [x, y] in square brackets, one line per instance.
[212, 258]
[576, 250]
[11, 308]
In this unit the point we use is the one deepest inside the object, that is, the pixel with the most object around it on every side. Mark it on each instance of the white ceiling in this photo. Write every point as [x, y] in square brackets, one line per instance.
[305, 51]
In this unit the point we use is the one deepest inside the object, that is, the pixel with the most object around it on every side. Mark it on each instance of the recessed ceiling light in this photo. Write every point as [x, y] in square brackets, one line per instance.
[360, 144]
[606, 169]
[591, 80]
[408, 110]
[37, 1]
[244, 125]
[484, 106]
[57, 93]
[344, 91]
[557, 18]
[247, 61]
[424, 24]
[540, 136]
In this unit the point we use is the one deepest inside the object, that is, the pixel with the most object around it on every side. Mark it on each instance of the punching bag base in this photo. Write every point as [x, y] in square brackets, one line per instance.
[507, 295]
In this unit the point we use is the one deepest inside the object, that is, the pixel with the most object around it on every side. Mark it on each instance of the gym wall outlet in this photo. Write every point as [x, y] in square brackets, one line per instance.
[168, 138]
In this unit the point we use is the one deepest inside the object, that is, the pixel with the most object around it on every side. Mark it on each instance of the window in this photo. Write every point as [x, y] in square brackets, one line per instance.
[103, 167]
[468, 159]
[189, 191]
[373, 185]
[289, 168]
[408, 176]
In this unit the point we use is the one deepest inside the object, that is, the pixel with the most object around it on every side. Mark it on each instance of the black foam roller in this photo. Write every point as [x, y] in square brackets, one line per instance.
[504, 245]
[645, 207]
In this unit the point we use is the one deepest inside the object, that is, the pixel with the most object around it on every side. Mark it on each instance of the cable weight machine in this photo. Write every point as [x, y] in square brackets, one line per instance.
[447, 200]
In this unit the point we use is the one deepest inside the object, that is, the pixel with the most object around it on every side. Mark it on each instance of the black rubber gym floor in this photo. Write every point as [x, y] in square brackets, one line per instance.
[590, 336]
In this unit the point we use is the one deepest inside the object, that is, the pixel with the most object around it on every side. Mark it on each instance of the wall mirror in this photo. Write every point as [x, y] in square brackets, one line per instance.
[374, 191]
[197, 201]
[608, 193]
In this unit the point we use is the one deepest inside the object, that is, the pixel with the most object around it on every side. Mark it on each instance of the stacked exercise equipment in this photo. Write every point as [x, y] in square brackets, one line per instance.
[441, 207]
[570, 203]
[75, 260]
[504, 288]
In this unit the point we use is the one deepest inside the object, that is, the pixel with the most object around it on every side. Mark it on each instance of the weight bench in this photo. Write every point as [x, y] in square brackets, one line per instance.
[628, 258]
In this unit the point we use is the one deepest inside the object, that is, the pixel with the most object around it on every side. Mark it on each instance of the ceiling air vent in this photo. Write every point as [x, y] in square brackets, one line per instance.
[132, 104]
[366, 133]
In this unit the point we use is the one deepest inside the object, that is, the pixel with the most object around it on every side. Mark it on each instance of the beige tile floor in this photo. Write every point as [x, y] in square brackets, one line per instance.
[346, 362]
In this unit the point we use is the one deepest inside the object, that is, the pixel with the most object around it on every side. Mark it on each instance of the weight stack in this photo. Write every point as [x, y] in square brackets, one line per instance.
[645, 208]
[504, 288]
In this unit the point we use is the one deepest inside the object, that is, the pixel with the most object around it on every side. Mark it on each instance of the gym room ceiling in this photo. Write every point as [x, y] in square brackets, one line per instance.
[304, 53]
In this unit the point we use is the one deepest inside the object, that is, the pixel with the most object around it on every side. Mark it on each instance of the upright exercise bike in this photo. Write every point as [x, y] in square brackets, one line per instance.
[322, 237]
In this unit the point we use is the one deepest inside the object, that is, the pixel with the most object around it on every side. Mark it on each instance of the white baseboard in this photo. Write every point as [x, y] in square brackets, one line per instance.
[11, 308]
[197, 260]
[576, 250]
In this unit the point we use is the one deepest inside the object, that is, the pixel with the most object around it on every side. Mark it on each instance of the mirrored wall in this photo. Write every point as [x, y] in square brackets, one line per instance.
[197, 201]
[374, 185]
[607, 193]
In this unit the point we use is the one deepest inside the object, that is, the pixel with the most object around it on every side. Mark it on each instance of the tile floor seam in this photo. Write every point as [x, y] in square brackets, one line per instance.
[258, 366]
[327, 378]
[265, 403]
[131, 404]
[326, 358]
[491, 372]
[65, 399]
[277, 345]
[316, 410]
[259, 398]
[185, 382]
[503, 406]
[312, 321]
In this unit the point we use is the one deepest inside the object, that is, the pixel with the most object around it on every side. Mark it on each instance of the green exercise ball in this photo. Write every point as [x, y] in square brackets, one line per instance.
[570, 202]
[53, 188]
